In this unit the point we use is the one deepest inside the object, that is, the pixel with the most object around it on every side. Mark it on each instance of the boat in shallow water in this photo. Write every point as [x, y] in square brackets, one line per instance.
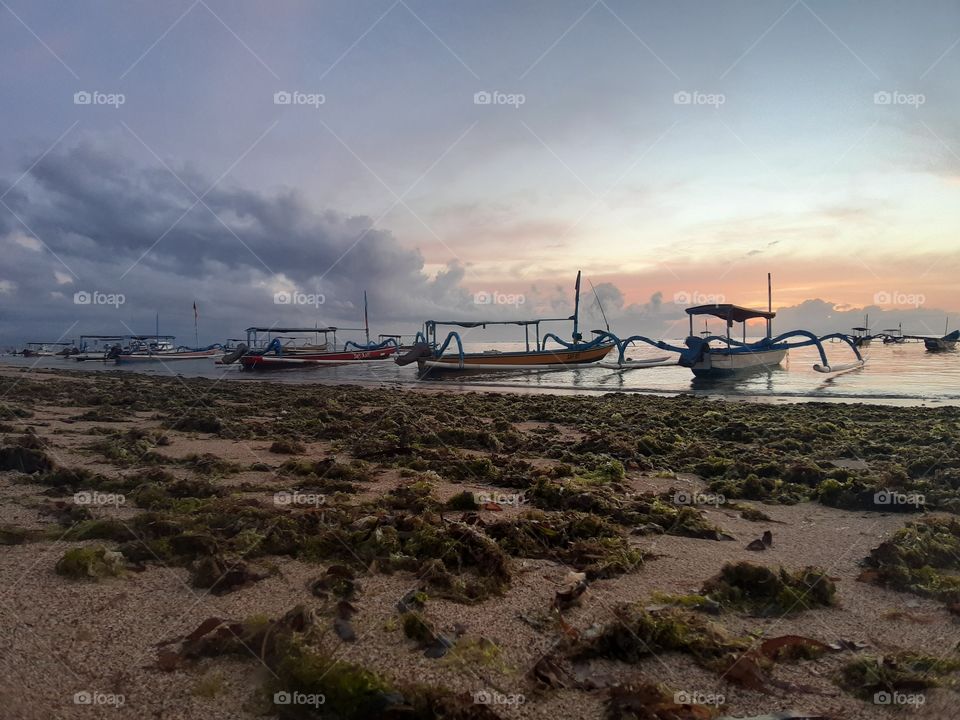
[943, 344]
[723, 355]
[158, 348]
[280, 348]
[432, 358]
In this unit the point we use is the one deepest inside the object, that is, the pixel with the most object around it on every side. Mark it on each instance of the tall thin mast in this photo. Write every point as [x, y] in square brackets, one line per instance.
[576, 311]
[366, 319]
[769, 305]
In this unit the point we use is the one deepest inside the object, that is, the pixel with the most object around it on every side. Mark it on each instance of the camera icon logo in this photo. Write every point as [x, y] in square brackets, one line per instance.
[681, 298]
[84, 697]
[282, 698]
[82, 97]
[682, 98]
[482, 98]
[882, 698]
[282, 97]
[482, 298]
[482, 697]
[82, 298]
[282, 298]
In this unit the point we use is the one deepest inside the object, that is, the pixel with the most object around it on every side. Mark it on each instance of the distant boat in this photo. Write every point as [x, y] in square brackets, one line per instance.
[48, 349]
[277, 354]
[862, 337]
[158, 348]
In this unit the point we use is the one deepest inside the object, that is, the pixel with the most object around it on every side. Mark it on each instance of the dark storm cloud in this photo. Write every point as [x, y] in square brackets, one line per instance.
[116, 227]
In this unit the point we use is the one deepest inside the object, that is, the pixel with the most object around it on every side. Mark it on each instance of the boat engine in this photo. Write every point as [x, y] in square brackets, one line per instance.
[417, 351]
[696, 348]
[113, 352]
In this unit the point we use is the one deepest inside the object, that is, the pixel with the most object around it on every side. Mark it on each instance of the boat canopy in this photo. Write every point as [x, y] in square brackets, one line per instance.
[291, 329]
[731, 313]
[862, 329]
[484, 323]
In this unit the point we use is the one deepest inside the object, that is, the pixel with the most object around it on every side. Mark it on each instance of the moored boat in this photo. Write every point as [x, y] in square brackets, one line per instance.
[158, 348]
[943, 344]
[48, 349]
[430, 354]
[722, 355]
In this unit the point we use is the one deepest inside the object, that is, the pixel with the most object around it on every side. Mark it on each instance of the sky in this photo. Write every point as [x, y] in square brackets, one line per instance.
[271, 161]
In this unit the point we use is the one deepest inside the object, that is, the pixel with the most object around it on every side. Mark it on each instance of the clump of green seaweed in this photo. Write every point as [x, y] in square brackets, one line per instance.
[90, 563]
[868, 676]
[762, 591]
[923, 558]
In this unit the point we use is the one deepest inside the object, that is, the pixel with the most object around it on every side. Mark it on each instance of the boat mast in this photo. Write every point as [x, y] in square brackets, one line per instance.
[576, 312]
[769, 305]
[366, 317]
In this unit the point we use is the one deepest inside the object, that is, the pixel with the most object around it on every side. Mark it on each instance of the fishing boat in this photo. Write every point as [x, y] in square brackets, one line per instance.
[861, 335]
[47, 349]
[723, 355]
[96, 347]
[276, 349]
[893, 336]
[158, 348]
[431, 356]
[943, 344]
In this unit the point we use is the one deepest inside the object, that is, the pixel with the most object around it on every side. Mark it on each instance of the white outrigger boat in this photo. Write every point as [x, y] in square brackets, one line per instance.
[96, 347]
[158, 348]
[722, 355]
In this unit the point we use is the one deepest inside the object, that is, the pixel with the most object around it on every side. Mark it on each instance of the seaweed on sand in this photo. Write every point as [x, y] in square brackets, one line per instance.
[132, 447]
[870, 676]
[923, 558]
[90, 563]
[762, 591]
[302, 666]
[636, 511]
[636, 633]
[581, 540]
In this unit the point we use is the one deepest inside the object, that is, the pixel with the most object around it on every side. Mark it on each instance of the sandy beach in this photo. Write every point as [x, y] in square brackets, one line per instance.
[183, 548]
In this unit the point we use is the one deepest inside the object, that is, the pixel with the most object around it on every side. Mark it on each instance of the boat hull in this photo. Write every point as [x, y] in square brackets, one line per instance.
[537, 360]
[299, 360]
[165, 357]
[719, 364]
[939, 345]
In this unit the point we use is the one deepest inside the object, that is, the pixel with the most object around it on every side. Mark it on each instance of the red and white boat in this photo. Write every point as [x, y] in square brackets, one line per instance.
[280, 347]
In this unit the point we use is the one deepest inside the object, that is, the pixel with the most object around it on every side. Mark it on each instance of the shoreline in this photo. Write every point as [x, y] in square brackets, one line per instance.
[480, 385]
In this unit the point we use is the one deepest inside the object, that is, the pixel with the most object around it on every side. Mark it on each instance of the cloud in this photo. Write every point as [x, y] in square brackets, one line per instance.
[108, 225]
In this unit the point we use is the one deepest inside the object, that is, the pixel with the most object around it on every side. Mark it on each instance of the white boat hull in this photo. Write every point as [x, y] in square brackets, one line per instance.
[721, 363]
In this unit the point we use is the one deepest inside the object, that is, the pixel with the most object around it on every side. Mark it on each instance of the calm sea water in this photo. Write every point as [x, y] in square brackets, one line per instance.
[894, 374]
